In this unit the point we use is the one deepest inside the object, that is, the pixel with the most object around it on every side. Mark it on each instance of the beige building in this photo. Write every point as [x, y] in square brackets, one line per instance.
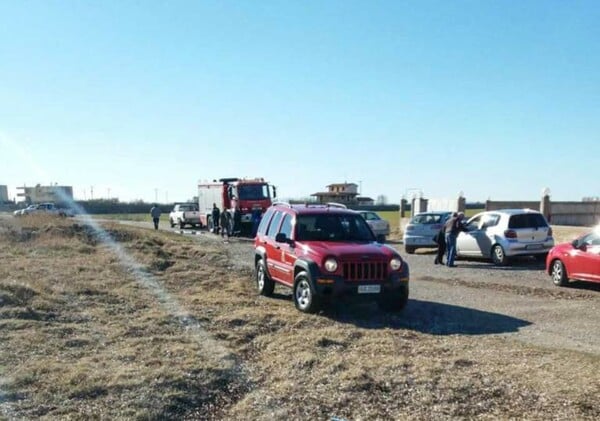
[345, 193]
[40, 194]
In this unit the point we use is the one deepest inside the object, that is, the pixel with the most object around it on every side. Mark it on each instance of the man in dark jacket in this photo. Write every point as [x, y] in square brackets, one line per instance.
[452, 227]
[440, 239]
[155, 214]
[215, 214]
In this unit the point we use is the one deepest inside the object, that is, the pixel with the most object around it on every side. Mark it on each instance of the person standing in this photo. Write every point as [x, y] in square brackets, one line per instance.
[216, 216]
[237, 220]
[452, 227]
[440, 239]
[256, 217]
[225, 217]
[155, 214]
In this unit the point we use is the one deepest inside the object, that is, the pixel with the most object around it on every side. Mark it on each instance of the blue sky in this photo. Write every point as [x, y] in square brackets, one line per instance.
[494, 98]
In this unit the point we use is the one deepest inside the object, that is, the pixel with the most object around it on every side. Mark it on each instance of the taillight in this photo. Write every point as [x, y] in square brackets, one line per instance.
[409, 227]
[510, 234]
[549, 231]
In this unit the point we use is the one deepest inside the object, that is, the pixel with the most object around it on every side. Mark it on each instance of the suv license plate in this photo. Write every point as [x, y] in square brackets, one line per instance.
[369, 289]
[534, 247]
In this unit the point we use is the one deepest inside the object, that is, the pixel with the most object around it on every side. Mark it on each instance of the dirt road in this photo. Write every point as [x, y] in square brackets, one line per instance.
[518, 301]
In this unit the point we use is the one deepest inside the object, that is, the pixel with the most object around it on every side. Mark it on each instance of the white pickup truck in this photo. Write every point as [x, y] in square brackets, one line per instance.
[185, 214]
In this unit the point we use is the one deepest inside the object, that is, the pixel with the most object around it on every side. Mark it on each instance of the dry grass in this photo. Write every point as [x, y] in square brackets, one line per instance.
[83, 337]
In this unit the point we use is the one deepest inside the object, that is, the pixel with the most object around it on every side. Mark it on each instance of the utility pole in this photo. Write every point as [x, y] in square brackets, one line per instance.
[91, 192]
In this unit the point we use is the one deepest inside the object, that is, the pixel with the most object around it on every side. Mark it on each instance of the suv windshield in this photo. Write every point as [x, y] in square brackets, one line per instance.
[332, 227]
[253, 192]
[527, 220]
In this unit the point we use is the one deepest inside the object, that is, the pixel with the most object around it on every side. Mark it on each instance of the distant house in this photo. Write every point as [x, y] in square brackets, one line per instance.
[39, 194]
[345, 193]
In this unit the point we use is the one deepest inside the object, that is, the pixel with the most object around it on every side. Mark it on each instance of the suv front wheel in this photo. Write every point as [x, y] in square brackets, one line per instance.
[264, 284]
[305, 299]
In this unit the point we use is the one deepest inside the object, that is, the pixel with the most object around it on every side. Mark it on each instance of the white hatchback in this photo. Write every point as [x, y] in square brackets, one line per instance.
[499, 235]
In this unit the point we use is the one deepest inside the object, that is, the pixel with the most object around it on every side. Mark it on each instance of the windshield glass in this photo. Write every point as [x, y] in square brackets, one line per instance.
[253, 192]
[332, 227]
[428, 218]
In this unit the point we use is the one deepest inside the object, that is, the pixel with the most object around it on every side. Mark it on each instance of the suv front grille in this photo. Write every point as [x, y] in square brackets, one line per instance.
[365, 271]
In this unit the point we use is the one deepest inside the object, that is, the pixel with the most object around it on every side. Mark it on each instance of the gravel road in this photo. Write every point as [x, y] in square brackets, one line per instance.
[475, 298]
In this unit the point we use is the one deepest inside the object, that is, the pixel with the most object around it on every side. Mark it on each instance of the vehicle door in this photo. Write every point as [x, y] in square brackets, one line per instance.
[587, 259]
[273, 249]
[287, 251]
[467, 242]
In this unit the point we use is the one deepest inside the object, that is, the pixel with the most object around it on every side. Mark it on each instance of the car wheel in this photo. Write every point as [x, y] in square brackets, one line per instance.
[409, 249]
[181, 224]
[305, 299]
[264, 284]
[394, 302]
[498, 256]
[559, 273]
[171, 223]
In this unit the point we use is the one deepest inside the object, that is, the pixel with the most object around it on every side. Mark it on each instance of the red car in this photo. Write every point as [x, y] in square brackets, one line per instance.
[578, 260]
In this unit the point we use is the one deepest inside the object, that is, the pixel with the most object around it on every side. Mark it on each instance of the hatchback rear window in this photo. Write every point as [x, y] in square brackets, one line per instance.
[527, 220]
[427, 219]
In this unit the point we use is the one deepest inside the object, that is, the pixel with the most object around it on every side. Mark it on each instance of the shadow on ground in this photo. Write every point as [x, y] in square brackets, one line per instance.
[426, 317]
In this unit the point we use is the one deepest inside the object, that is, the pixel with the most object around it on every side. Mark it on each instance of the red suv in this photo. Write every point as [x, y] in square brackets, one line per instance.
[324, 251]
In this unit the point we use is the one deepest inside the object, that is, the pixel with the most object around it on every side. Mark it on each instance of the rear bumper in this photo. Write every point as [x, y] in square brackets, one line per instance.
[523, 249]
[384, 231]
[419, 241]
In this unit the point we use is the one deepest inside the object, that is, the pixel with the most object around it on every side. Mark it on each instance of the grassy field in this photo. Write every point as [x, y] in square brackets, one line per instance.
[158, 326]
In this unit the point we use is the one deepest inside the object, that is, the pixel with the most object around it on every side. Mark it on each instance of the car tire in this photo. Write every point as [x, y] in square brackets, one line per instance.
[264, 284]
[559, 273]
[410, 249]
[171, 223]
[304, 295]
[395, 302]
[498, 256]
[181, 224]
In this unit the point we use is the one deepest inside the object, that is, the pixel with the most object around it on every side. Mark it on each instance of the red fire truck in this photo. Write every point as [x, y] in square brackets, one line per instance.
[245, 194]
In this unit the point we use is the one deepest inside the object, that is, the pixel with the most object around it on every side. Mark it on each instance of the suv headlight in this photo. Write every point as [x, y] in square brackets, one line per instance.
[396, 263]
[330, 264]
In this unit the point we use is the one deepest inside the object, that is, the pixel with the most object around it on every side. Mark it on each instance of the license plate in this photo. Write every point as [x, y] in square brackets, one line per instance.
[369, 289]
[534, 246]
